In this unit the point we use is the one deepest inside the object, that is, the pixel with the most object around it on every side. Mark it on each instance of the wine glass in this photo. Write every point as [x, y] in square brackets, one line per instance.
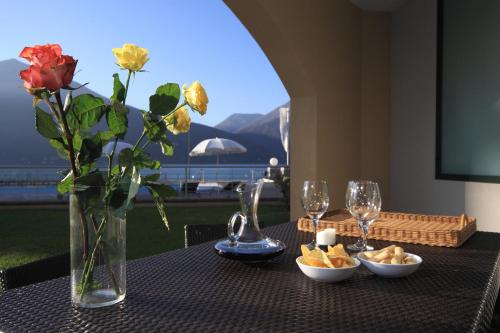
[315, 201]
[363, 202]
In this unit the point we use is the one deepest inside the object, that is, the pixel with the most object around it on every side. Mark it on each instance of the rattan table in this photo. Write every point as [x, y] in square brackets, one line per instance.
[194, 290]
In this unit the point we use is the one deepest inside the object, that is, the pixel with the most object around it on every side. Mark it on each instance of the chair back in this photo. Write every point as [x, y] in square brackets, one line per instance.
[192, 187]
[201, 233]
[34, 272]
[231, 186]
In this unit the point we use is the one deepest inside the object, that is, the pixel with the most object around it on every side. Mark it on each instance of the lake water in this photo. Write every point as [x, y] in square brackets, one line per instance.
[38, 183]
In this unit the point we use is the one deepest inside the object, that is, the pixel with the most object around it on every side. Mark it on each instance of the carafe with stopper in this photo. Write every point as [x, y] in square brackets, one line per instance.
[248, 243]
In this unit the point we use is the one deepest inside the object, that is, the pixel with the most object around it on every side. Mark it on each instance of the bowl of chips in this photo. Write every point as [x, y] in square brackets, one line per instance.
[332, 266]
[391, 262]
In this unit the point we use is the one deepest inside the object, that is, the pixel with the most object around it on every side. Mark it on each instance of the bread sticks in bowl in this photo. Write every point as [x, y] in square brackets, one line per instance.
[389, 255]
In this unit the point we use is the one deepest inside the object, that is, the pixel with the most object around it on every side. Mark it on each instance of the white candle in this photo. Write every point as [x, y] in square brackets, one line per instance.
[326, 237]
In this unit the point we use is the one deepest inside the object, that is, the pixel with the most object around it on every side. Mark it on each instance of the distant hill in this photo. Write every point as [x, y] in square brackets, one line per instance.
[237, 121]
[267, 125]
[20, 144]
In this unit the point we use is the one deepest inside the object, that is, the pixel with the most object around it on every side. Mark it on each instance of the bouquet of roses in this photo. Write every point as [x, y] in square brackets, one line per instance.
[70, 124]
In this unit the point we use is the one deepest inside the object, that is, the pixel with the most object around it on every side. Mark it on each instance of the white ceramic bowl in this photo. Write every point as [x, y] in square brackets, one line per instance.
[391, 270]
[327, 274]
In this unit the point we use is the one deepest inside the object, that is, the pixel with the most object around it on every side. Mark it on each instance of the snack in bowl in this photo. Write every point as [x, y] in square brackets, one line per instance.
[390, 261]
[336, 257]
[316, 257]
[332, 266]
[339, 257]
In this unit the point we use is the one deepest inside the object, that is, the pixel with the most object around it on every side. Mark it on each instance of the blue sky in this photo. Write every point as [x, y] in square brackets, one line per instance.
[188, 40]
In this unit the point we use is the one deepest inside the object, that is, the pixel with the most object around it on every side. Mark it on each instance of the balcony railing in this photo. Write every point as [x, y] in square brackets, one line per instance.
[37, 183]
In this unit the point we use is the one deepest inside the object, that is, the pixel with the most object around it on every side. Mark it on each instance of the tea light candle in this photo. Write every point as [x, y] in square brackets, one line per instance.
[326, 237]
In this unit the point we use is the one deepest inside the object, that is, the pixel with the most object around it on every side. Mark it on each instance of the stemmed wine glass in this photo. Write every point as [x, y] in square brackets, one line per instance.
[363, 202]
[315, 201]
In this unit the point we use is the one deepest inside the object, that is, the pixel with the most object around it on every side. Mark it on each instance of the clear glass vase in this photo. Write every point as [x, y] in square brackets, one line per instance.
[98, 243]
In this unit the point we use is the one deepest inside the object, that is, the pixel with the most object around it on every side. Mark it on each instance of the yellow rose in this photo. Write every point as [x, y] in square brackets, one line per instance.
[131, 57]
[179, 121]
[196, 97]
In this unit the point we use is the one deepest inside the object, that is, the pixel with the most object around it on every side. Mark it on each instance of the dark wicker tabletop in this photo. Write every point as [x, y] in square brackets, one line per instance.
[194, 290]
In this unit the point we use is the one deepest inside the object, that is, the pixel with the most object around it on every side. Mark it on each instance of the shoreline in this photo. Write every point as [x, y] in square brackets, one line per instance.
[180, 202]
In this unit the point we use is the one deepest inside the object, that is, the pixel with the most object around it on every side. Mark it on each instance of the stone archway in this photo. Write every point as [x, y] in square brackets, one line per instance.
[333, 59]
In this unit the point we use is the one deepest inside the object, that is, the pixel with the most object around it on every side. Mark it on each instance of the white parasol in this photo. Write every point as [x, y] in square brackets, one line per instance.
[216, 147]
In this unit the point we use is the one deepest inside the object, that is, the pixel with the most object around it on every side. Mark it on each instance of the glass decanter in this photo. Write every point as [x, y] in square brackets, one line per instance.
[248, 243]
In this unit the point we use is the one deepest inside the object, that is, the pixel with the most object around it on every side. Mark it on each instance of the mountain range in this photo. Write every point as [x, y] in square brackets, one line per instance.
[254, 124]
[20, 144]
[237, 121]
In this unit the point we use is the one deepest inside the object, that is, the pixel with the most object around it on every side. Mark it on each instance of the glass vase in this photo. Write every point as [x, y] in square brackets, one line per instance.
[98, 243]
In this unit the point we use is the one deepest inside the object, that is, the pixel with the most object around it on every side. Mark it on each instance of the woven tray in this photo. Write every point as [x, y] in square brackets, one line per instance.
[434, 230]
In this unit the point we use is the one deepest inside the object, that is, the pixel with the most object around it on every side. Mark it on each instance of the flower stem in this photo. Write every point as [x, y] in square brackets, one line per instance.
[126, 86]
[110, 158]
[69, 138]
[144, 146]
[139, 140]
[162, 119]
[88, 268]
[74, 169]
[145, 132]
[105, 258]
[172, 112]
[66, 130]
[89, 264]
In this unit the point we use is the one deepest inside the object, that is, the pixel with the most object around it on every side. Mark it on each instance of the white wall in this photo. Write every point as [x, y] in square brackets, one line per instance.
[413, 127]
[482, 200]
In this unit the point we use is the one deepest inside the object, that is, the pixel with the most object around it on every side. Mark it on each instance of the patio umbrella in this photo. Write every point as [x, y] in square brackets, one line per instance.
[120, 145]
[216, 147]
[108, 148]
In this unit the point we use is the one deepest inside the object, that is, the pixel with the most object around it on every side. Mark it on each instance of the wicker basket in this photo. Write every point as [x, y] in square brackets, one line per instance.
[434, 230]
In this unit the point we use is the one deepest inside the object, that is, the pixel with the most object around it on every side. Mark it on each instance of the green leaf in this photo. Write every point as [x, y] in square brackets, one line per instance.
[85, 169]
[159, 193]
[162, 208]
[77, 141]
[64, 172]
[90, 151]
[167, 148]
[60, 147]
[118, 89]
[66, 184]
[135, 183]
[115, 170]
[126, 157]
[156, 128]
[105, 136]
[118, 201]
[85, 111]
[138, 158]
[163, 190]
[69, 88]
[117, 119]
[150, 178]
[45, 125]
[143, 160]
[123, 192]
[165, 99]
[93, 179]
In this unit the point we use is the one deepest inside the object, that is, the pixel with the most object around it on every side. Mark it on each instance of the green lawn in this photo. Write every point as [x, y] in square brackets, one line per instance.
[30, 234]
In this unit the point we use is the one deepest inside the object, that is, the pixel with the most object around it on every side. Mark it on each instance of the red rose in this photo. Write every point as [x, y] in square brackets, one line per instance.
[49, 68]
[42, 55]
